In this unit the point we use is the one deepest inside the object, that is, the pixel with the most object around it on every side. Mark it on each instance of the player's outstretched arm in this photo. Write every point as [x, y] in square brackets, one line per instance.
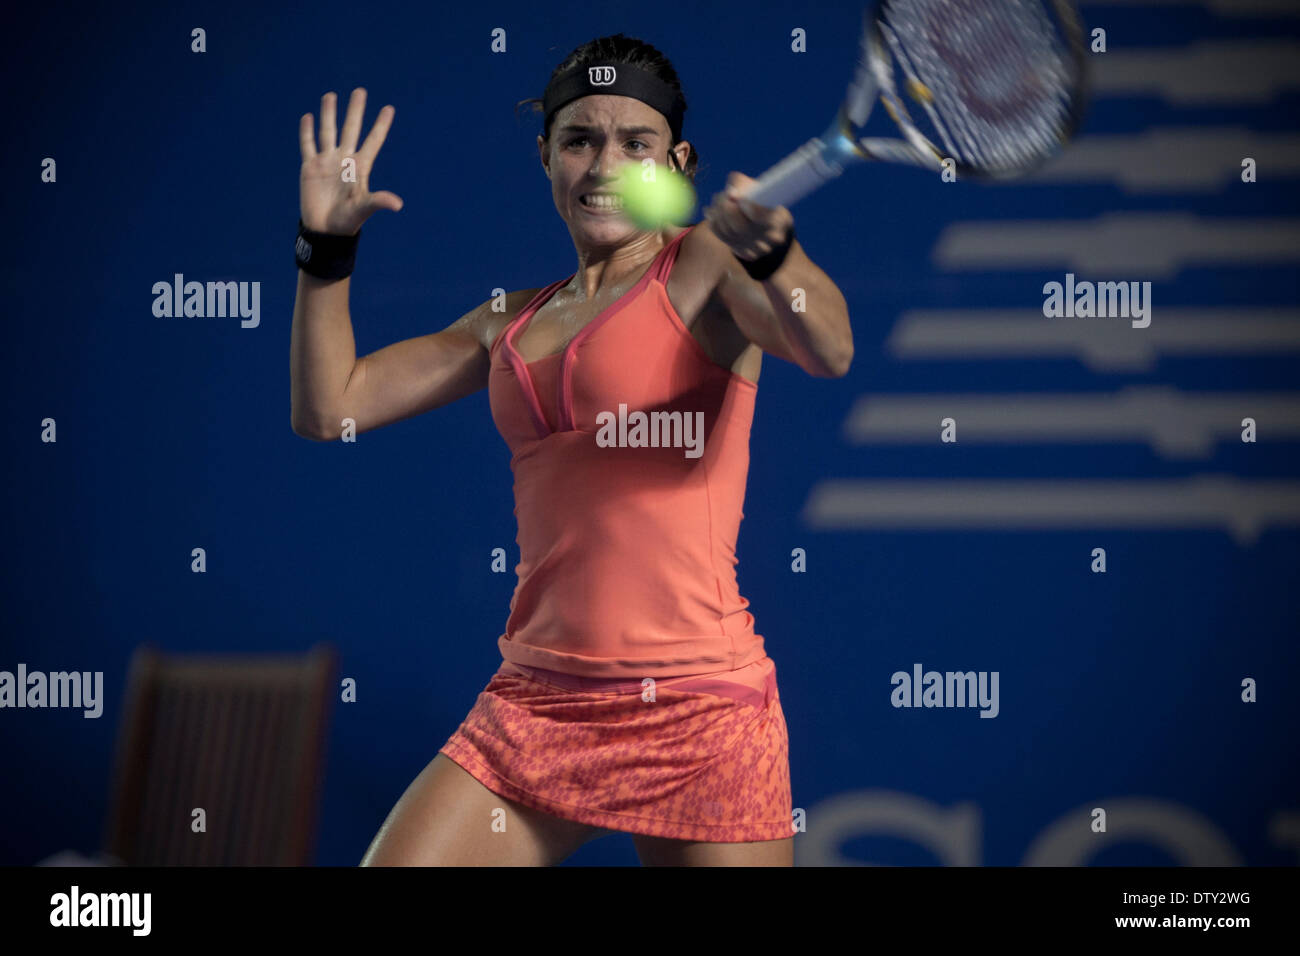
[328, 382]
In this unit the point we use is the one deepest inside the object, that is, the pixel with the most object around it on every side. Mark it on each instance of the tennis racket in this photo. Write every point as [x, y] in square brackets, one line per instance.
[997, 86]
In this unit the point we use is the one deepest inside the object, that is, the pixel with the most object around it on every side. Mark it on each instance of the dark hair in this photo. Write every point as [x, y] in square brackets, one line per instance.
[618, 48]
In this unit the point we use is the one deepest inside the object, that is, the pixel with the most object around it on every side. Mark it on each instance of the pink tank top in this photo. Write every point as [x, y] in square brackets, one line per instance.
[630, 451]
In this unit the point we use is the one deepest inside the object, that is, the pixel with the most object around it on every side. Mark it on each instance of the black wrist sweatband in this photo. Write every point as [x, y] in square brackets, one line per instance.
[764, 266]
[324, 255]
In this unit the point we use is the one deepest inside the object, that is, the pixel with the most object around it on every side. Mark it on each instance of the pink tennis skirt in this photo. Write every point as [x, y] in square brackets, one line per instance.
[707, 760]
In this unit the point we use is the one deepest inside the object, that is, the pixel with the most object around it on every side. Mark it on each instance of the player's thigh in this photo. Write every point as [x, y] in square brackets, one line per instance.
[446, 818]
[656, 851]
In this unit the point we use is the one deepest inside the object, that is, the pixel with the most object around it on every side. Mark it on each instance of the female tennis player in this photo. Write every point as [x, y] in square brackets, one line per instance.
[633, 695]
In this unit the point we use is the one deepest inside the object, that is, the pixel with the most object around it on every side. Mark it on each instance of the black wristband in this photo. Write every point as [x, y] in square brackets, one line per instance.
[324, 255]
[764, 266]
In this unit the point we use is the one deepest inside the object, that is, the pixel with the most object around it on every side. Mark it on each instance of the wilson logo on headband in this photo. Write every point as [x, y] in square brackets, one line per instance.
[601, 75]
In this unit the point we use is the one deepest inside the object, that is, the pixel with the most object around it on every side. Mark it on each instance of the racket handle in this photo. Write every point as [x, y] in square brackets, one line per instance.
[810, 166]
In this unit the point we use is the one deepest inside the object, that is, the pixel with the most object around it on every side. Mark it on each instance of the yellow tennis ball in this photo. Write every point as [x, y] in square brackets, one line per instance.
[654, 195]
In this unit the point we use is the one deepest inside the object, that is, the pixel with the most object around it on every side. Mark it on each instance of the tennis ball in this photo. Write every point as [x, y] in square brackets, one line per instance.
[654, 195]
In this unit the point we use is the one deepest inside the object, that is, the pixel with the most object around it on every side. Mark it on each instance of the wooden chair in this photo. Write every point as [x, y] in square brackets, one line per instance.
[241, 737]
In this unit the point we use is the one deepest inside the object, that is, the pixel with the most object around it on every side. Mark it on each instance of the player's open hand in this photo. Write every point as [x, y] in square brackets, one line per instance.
[334, 184]
[750, 230]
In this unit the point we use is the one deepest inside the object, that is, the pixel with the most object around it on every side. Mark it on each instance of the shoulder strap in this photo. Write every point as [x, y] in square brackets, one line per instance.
[668, 256]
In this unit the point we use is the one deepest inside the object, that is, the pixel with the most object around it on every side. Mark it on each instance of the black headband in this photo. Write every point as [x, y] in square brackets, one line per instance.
[616, 79]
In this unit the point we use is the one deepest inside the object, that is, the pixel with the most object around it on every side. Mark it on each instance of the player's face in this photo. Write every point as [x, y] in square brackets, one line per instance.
[592, 139]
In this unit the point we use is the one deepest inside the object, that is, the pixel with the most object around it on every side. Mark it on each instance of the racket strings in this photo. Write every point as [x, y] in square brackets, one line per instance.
[899, 109]
[993, 77]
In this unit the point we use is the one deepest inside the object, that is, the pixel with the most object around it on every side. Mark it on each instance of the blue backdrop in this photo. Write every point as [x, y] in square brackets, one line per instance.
[1123, 689]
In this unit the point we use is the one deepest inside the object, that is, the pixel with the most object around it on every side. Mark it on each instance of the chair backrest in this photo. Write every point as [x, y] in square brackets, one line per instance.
[242, 738]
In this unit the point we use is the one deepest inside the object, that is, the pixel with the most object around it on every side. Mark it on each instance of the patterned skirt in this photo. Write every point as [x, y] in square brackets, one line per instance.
[702, 758]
